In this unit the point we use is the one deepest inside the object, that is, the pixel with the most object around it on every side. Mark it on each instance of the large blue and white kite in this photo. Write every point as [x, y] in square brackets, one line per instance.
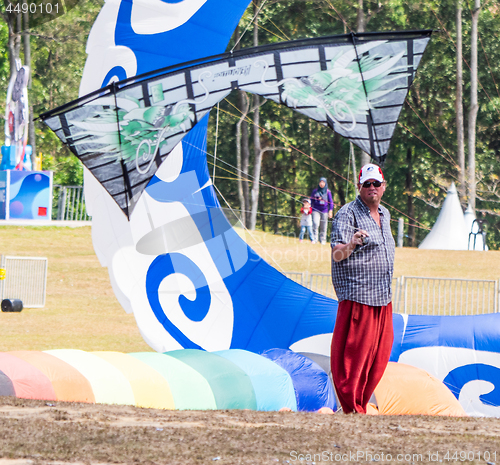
[173, 258]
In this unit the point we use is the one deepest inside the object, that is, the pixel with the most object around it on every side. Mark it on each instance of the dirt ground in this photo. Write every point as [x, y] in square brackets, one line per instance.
[42, 432]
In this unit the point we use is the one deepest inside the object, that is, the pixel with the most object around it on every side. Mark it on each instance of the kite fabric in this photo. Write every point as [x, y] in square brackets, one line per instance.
[356, 84]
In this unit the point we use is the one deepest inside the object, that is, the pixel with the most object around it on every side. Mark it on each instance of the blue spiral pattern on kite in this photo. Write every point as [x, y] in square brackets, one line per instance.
[195, 310]
[270, 310]
[459, 377]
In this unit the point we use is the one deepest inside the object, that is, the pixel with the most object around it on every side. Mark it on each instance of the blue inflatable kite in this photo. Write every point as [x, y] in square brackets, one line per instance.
[173, 258]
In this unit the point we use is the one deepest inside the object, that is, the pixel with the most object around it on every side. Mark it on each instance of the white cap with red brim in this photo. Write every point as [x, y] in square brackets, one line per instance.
[370, 171]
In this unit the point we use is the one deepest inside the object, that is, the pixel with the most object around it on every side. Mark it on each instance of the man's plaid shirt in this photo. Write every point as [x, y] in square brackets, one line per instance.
[366, 276]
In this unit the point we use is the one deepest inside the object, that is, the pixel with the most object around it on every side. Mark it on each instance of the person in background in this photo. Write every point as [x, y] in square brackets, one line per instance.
[306, 221]
[322, 209]
[363, 252]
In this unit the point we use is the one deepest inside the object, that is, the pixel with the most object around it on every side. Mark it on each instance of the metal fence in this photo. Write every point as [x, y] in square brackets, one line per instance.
[25, 279]
[423, 296]
[322, 284]
[297, 276]
[69, 204]
[445, 296]
[317, 282]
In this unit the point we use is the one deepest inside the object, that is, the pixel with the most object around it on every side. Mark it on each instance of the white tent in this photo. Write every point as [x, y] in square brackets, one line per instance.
[450, 231]
[476, 239]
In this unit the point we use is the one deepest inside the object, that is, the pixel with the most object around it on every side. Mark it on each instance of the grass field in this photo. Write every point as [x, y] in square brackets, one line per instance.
[81, 311]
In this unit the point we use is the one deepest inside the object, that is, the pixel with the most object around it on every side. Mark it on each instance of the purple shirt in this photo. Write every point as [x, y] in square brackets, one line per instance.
[318, 204]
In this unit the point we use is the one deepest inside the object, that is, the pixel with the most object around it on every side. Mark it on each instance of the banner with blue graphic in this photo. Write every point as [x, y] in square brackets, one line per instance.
[25, 195]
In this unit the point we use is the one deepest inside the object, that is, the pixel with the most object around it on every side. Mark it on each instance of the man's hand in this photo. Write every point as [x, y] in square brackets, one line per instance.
[330, 214]
[358, 238]
[342, 251]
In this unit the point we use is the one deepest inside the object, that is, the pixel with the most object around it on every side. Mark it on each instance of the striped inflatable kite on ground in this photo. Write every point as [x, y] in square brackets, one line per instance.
[191, 379]
[313, 386]
[406, 390]
[183, 379]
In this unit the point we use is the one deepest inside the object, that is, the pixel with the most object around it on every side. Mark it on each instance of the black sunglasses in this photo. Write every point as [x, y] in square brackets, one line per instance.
[367, 184]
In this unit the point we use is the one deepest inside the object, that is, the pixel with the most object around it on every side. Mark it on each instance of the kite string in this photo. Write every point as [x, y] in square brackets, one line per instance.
[283, 139]
[250, 178]
[311, 158]
[248, 231]
[448, 157]
[423, 141]
[275, 25]
[433, 135]
[248, 25]
[340, 16]
[292, 194]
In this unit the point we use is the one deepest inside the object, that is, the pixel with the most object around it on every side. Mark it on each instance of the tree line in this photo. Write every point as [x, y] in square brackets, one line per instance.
[269, 157]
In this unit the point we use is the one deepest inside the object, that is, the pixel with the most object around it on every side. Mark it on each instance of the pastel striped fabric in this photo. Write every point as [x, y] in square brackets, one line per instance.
[190, 379]
[185, 379]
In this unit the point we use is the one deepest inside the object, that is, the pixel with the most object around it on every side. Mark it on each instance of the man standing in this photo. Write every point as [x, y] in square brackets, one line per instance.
[362, 266]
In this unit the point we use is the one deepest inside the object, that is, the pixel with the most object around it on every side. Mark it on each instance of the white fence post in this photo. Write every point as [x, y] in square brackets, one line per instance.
[401, 231]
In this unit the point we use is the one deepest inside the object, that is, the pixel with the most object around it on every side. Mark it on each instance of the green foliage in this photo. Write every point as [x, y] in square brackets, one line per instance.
[4, 62]
[57, 60]
[302, 151]
[429, 116]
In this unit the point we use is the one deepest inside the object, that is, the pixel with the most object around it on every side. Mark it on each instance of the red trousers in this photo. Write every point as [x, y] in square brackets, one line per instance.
[361, 347]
